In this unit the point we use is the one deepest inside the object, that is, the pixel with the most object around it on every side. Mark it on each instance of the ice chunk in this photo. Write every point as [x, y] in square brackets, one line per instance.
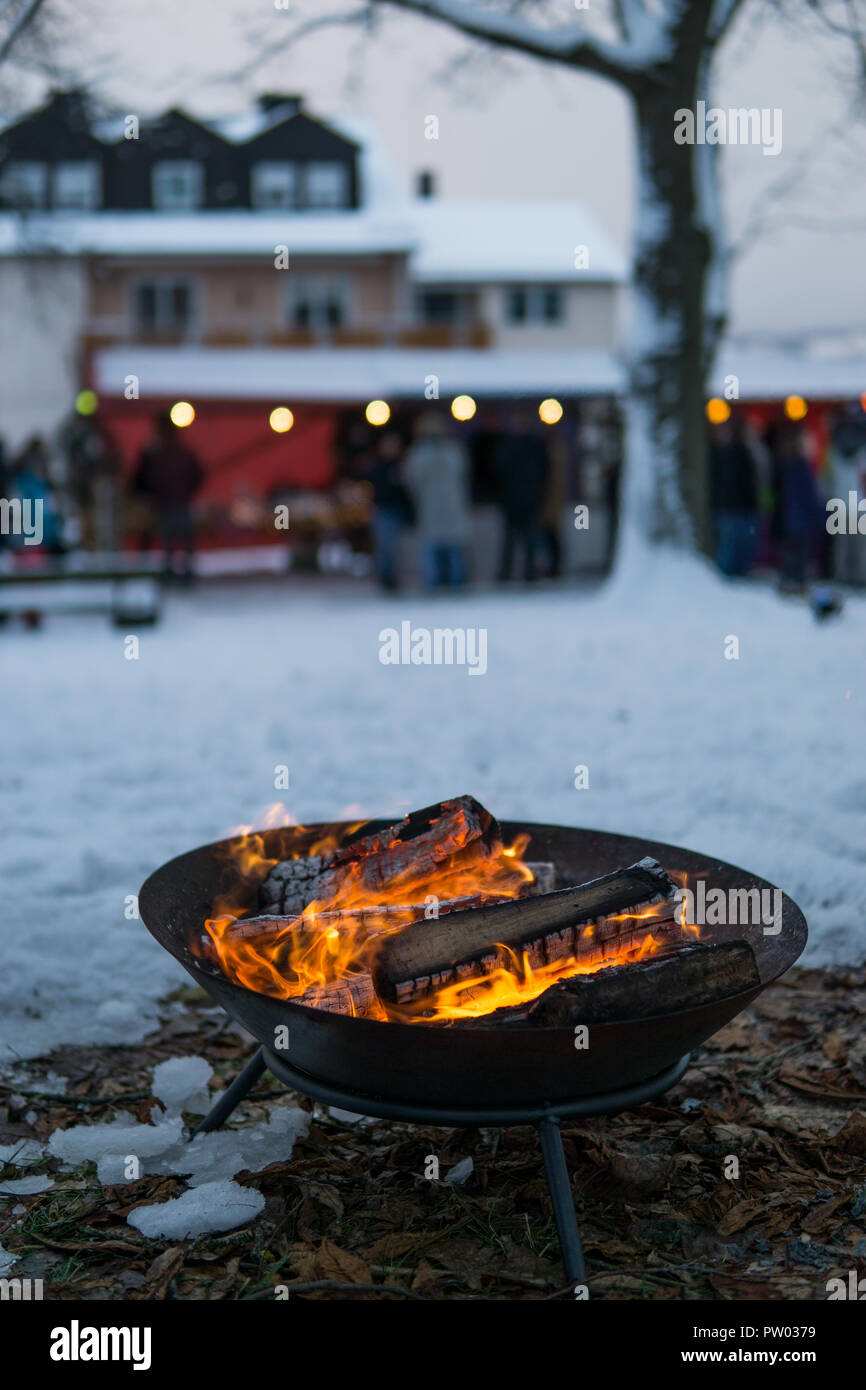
[460, 1172]
[22, 1153]
[25, 1187]
[181, 1084]
[213, 1206]
[122, 1136]
[6, 1261]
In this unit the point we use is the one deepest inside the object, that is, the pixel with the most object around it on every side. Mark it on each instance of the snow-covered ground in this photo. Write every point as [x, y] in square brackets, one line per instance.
[111, 766]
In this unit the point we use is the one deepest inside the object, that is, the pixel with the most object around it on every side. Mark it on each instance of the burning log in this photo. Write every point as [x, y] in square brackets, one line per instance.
[452, 834]
[695, 975]
[425, 956]
[354, 996]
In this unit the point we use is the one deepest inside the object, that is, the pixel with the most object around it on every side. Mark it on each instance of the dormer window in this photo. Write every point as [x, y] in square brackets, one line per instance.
[275, 184]
[24, 185]
[177, 185]
[77, 185]
[327, 184]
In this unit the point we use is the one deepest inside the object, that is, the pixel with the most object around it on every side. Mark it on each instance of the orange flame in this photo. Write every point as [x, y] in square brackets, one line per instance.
[330, 945]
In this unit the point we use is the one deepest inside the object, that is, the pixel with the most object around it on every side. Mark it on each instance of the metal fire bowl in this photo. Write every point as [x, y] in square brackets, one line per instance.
[446, 1066]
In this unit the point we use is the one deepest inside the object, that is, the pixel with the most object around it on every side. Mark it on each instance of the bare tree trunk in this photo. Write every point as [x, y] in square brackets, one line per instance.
[679, 306]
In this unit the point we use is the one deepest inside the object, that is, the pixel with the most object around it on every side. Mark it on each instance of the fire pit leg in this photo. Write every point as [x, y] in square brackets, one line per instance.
[234, 1094]
[563, 1202]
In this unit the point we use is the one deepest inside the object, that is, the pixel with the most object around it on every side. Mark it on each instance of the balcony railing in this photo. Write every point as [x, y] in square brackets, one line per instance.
[110, 331]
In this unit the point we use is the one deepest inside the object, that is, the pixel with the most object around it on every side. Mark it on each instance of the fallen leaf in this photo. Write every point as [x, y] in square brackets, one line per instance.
[341, 1265]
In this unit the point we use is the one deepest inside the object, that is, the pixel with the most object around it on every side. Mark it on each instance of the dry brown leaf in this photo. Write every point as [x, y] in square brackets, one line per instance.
[851, 1138]
[835, 1047]
[425, 1279]
[341, 1265]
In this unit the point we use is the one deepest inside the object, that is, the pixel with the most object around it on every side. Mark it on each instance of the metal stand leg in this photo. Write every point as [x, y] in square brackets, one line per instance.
[232, 1097]
[563, 1202]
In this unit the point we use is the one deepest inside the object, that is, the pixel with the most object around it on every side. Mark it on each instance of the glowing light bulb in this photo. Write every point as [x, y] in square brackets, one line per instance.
[281, 419]
[718, 411]
[463, 407]
[795, 407]
[181, 414]
[378, 413]
[550, 411]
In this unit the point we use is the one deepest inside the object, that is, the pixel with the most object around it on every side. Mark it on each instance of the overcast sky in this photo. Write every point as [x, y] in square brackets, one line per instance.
[511, 127]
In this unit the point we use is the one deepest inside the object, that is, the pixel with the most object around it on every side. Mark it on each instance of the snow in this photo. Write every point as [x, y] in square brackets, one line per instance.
[114, 766]
[117, 1138]
[22, 1153]
[25, 1187]
[163, 1147]
[461, 1172]
[6, 1262]
[216, 1206]
[354, 231]
[354, 374]
[181, 1084]
[486, 241]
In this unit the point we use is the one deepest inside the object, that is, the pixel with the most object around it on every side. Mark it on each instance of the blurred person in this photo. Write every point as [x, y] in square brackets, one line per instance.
[734, 496]
[553, 503]
[392, 506]
[30, 480]
[846, 475]
[522, 465]
[169, 475]
[801, 513]
[437, 475]
[94, 477]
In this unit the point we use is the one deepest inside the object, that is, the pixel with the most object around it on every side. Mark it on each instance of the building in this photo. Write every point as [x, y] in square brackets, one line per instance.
[270, 260]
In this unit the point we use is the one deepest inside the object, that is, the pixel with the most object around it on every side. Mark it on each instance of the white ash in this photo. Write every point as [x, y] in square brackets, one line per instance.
[291, 884]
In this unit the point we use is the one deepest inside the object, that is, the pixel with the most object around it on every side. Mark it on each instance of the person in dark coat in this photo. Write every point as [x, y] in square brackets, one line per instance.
[168, 476]
[522, 465]
[392, 507]
[801, 512]
[734, 497]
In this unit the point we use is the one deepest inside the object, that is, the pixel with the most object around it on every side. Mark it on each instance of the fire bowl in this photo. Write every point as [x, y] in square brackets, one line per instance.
[455, 1067]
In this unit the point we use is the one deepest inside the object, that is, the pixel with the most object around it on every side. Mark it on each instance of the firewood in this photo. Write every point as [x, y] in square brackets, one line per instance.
[453, 834]
[424, 956]
[698, 974]
[354, 995]
[385, 915]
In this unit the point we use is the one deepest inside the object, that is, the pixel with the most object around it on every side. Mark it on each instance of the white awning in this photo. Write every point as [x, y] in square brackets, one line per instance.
[352, 374]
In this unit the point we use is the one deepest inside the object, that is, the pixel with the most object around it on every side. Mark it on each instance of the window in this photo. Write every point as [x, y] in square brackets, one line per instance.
[24, 184]
[77, 185]
[275, 184]
[317, 301]
[162, 306]
[533, 304]
[177, 185]
[327, 185]
[438, 306]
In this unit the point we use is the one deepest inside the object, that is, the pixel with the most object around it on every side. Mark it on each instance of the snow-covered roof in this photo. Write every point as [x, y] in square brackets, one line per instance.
[496, 241]
[351, 374]
[355, 232]
[450, 242]
[767, 374]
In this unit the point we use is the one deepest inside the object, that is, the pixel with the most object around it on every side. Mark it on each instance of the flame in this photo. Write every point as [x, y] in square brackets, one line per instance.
[330, 945]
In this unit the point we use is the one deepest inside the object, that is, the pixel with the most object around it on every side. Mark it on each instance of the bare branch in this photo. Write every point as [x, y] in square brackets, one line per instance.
[21, 22]
[624, 62]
